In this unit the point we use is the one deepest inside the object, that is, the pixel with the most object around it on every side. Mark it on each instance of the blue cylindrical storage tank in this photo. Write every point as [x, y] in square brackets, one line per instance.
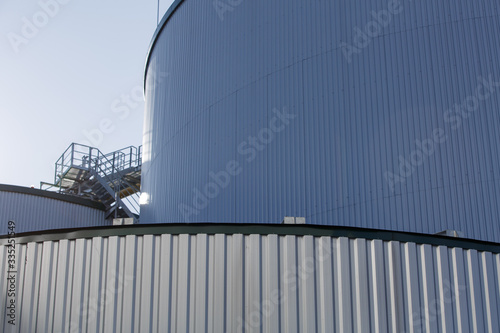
[375, 114]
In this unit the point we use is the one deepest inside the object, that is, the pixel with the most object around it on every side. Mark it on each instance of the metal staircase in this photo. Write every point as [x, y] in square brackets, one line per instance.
[113, 179]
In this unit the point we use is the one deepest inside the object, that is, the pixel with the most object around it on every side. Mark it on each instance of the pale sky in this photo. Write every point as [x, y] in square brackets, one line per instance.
[68, 67]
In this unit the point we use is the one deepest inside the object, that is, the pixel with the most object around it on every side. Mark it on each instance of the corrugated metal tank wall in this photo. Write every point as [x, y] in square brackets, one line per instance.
[376, 139]
[35, 210]
[251, 283]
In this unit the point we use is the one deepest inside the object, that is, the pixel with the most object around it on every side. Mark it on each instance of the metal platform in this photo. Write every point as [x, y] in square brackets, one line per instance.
[113, 179]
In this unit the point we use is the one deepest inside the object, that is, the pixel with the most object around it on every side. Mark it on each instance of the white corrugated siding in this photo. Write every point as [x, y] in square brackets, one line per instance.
[255, 283]
[35, 213]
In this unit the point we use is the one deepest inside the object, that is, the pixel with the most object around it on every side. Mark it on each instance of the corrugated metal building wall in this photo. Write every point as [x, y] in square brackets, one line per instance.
[175, 280]
[362, 97]
[35, 210]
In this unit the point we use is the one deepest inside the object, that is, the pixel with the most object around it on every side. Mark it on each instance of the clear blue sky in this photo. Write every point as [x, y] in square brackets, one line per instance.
[74, 68]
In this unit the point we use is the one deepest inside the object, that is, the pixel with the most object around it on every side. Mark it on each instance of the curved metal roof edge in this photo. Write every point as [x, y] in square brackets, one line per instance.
[159, 28]
[52, 195]
[252, 229]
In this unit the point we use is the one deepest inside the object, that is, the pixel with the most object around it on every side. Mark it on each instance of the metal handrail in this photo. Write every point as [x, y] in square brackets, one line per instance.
[80, 156]
[115, 169]
[108, 166]
[116, 185]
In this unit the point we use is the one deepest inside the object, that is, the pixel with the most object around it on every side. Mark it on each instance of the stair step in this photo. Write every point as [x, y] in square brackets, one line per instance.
[127, 191]
[108, 203]
[101, 192]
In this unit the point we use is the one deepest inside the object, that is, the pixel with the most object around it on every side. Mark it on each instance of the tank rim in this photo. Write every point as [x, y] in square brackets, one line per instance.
[254, 229]
[52, 195]
[173, 7]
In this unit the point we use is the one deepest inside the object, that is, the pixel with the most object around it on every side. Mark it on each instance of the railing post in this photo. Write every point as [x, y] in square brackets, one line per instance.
[55, 175]
[90, 158]
[139, 155]
[72, 154]
[117, 199]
